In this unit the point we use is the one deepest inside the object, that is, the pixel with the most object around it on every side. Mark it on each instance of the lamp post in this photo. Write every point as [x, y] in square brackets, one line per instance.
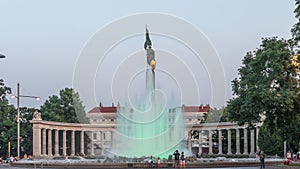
[18, 114]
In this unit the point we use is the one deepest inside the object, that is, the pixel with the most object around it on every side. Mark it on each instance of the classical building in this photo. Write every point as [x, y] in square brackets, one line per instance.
[210, 138]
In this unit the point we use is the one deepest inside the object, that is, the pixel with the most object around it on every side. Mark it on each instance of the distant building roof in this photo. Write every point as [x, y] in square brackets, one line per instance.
[111, 109]
[196, 108]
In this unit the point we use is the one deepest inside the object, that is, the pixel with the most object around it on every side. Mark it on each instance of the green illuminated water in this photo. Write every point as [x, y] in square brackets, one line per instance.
[149, 128]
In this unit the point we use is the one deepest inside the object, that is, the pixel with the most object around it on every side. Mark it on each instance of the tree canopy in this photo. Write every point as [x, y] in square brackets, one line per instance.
[267, 90]
[66, 107]
[8, 121]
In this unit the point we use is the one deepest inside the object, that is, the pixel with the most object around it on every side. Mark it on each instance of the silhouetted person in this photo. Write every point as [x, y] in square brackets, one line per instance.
[262, 159]
[176, 158]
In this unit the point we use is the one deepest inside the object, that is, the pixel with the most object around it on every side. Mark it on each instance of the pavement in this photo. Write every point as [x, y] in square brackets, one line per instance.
[201, 163]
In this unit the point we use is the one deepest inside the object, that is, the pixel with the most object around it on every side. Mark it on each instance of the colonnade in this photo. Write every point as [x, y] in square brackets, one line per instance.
[43, 142]
[247, 137]
[50, 138]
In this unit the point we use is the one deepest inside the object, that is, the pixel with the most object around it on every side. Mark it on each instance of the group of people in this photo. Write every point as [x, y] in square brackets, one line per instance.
[292, 156]
[179, 159]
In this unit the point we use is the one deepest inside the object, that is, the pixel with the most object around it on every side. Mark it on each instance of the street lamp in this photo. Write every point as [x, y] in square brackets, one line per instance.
[18, 114]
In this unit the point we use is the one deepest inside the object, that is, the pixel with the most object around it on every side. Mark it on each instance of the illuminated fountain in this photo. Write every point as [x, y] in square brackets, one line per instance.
[153, 129]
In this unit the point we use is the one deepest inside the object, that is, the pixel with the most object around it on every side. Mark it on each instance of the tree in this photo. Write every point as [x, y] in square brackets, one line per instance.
[216, 115]
[8, 121]
[67, 107]
[26, 114]
[296, 28]
[267, 88]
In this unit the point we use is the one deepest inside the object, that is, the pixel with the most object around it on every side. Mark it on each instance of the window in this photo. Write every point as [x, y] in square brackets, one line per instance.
[94, 136]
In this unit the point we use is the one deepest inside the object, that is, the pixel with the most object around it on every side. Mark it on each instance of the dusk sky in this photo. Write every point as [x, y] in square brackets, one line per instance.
[43, 40]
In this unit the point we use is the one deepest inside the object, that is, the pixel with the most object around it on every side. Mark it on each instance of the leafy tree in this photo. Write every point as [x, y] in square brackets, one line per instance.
[26, 114]
[8, 128]
[216, 115]
[267, 88]
[67, 107]
[296, 28]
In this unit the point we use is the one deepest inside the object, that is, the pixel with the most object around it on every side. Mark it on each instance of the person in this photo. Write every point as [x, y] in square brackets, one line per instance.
[151, 162]
[182, 160]
[11, 159]
[158, 162]
[176, 158]
[289, 156]
[262, 159]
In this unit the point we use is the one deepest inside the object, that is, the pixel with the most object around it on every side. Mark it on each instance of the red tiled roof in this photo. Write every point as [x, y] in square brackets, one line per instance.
[103, 110]
[196, 108]
[113, 109]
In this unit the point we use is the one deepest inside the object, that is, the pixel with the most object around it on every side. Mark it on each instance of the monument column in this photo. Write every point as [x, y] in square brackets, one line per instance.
[220, 141]
[72, 143]
[237, 141]
[229, 141]
[64, 143]
[200, 143]
[36, 140]
[252, 141]
[210, 142]
[50, 142]
[245, 141]
[56, 147]
[82, 143]
[44, 142]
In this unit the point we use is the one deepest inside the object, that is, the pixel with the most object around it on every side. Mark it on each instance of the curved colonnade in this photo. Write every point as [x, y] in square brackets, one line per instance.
[50, 138]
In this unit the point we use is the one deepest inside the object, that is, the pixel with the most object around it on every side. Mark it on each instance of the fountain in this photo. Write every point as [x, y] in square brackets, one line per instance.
[150, 128]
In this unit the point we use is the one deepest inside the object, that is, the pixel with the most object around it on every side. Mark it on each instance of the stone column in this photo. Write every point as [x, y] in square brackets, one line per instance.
[229, 141]
[237, 141]
[50, 143]
[220, 141]
[36, 144]
[257, 131]
[92, 144]
[72, 143]
[56, 147]
[190, 141]
[64, 143]
[102, 142]
[112, 139]
[82, 143]
[200, 143]
[252, 141]
[44, 142]
[210, 142]
[245, 141]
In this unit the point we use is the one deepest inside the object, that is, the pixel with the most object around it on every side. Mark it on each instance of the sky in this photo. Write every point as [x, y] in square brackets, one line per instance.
[43, 41]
